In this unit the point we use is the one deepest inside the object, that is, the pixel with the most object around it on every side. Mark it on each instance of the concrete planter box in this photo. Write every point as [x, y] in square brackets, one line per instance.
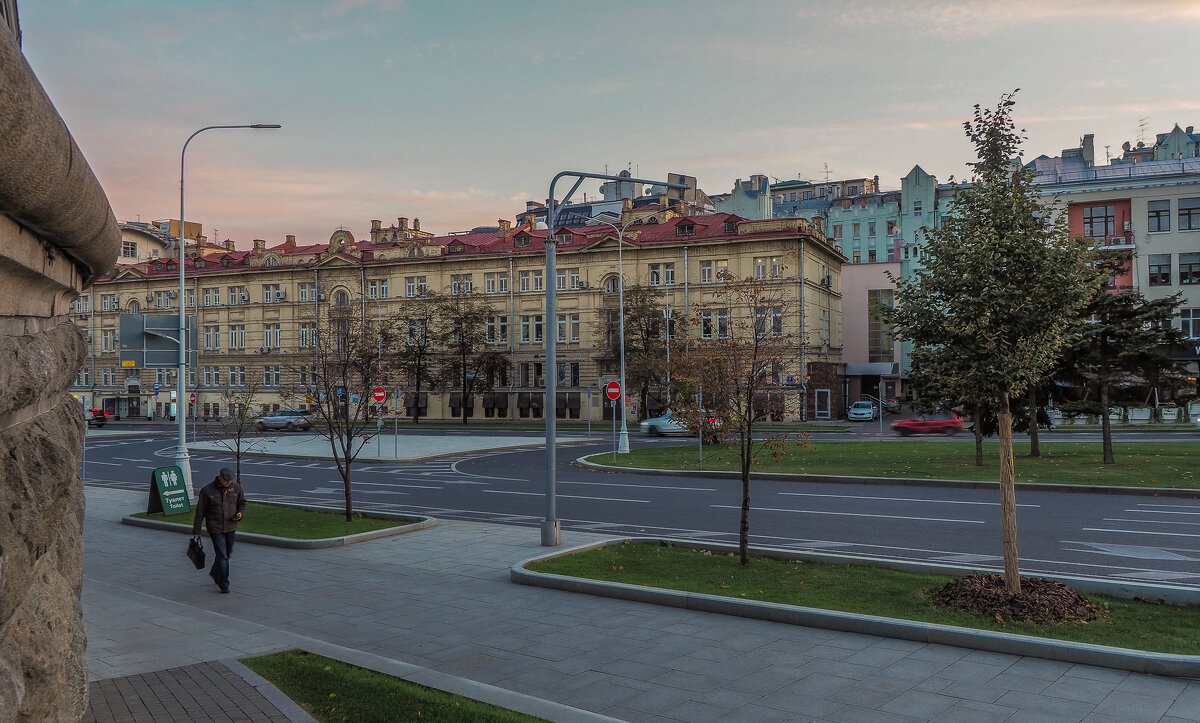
[1140, 415]
[1169, 414]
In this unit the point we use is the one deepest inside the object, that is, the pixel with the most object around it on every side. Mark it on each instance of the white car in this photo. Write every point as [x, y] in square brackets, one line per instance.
[862, 411]
[666, 425]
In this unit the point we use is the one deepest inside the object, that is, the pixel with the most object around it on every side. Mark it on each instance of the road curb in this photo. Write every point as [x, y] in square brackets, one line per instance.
[898, 481]
[422, 522]
[1185, 666]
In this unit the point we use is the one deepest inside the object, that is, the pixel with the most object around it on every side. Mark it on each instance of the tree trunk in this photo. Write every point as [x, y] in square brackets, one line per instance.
[978, 435]
[417, 398]
[744, 526]
[1035, 447]
[346, 489]
[1008, 501]
[1105, 423]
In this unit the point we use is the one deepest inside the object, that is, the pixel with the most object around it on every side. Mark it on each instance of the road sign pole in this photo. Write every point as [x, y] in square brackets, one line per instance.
[612, 405]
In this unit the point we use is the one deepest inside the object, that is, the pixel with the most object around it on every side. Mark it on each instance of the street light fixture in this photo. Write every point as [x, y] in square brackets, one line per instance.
[551, 527]
[182, 459]
[623, 437]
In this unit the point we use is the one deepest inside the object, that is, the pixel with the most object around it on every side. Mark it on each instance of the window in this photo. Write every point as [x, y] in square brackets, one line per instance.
[308, 292]
[212, 376]
[237, 376]
[879, 337]
[568, 328]
[871, 229]
[1158, 216]
[191, 298]
[375, 289]
[308, 377]
[1189, 323]
[891, 253]
[212, 338]
[414, 286]
[722, 319]
[917, 208]
[129, 249]
[211, 296]
[1189, 214]
[237, 336]
[768, 267]
[871, 255]
[1099, 221]
[706, 324]
[663, 274]
[825, 326]
[858, 257]
[893, 228]
[272, 376]
[531, 280]
[532, 328]
[460, 283]
[706, 272]
[308, 334]
[271, 293]
[496, 328]
[271, 336]
[495, 283]
[1189, 268]
[1160, 269]
[162, 299]
[238, 295]
[731, 226]
[837, 231]
[84, 378]
[108, 340]
[685, 229]
[416, 332]
[567, 279]
[855, 230]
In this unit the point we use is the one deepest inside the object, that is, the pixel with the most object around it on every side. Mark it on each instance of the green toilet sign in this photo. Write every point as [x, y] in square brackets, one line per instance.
[168, 492]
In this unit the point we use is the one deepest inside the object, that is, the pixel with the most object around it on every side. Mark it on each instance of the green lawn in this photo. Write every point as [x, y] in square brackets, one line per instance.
[330, 690]
[866, 590]
[278, 521]
[1138, 464]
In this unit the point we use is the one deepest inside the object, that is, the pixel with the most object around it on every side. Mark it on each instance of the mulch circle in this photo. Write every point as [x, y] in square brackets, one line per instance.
[1040, 601]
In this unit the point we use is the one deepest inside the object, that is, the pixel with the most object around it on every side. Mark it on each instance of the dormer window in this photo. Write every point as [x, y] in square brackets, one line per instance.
[225, 262]
[157, 266]
[522, 241]
[685, 229]
[731, 227]
[455, 248]
[565, 238]
[198, 263]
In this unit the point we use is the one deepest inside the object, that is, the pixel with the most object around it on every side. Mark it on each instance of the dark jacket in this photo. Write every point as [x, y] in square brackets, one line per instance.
[217, 506]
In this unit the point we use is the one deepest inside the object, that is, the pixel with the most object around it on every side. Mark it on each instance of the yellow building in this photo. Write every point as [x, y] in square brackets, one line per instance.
[255, 307]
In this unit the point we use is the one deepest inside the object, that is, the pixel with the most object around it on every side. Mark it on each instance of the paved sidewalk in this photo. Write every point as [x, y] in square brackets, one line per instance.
[437, 606]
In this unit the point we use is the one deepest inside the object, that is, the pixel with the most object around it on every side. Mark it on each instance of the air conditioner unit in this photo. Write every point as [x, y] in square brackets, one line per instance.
[827, 281]
[172, 294]
[1126, 226]
[321, 297]
[281, 294]
[149, 297]
[245, 297]
[262, 350]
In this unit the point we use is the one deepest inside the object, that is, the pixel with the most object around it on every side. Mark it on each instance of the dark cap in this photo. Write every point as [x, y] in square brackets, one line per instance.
[226, 474]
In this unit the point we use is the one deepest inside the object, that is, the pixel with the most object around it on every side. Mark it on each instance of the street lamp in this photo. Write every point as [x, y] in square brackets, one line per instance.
[182, 460]
[551, 527]
[623, 437]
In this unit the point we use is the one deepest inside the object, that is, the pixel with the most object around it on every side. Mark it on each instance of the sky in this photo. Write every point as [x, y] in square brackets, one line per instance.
[457, 112]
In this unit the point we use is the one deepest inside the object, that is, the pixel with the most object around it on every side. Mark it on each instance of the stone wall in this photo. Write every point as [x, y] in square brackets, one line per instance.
[57, 233]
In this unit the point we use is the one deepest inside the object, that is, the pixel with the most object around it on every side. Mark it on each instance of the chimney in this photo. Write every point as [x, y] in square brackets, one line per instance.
[260, 246]
[375, 224]
[402, 223]
[505, 227]
[876, 188]
[416, 224]
[289, 240]
[229, 245]
[201, 241]
[1189, 130]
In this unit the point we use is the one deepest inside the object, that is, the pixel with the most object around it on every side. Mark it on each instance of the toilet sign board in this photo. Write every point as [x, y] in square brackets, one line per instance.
[168, 492]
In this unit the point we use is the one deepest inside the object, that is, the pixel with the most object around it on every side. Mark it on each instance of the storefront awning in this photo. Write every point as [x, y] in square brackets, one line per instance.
[875, 369]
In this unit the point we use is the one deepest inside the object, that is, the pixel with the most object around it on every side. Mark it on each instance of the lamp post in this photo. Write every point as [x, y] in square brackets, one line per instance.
[623, 437]
[551, 527]
[182, 460]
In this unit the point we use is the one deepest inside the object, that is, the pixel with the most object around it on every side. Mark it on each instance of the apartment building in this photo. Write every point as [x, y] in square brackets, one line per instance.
[255, 307]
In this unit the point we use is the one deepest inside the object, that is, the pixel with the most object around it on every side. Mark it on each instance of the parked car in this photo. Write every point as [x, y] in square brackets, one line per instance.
[862, 411]
[289, 419]
[95, 417]
[669, 424]
[891, 405]
[947, 423]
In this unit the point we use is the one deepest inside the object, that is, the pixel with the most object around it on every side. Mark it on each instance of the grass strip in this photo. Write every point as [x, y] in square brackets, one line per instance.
[1138, 464]
[279, 521]
[867, 590]
[330, 690]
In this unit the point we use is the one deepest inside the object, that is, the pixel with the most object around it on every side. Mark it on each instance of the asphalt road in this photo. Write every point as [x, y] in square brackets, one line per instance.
[1116, 536]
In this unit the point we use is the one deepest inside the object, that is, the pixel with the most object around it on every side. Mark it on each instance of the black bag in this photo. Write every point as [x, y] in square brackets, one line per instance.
[195, 553]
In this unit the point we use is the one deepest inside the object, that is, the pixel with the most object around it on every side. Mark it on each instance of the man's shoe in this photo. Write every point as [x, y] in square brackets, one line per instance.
[225, 589]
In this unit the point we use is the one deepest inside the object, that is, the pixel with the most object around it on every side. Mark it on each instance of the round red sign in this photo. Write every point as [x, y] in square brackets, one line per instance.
[613, 390]
[379, 394]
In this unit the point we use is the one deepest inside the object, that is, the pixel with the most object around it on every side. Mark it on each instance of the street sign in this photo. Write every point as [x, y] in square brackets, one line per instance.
[157, 386]
[168, 492]
[379, 394]
[354, 399]
[340, 391]
[613, 390]
[192, 398]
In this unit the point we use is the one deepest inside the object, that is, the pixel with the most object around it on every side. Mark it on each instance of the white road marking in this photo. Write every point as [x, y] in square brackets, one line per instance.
[639, 486]
[574, 497]
[268, 476]
[1142, 532]
[851, 514]
[114, 464]
[1162, 512]
[130, 459]
[895, 499]
[1150, 522]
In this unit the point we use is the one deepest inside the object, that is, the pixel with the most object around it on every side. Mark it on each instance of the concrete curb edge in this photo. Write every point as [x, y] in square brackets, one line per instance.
[1185, 666]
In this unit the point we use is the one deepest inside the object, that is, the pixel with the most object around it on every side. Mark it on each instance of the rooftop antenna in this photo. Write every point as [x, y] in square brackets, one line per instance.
[1107, 155]
[1143, 123]
[827, 172]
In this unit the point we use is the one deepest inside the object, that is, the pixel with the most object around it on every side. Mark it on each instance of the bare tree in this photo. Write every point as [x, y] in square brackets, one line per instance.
[461, 326]
[412, 356]
[745, 345]
[338, 370]
[234, 427]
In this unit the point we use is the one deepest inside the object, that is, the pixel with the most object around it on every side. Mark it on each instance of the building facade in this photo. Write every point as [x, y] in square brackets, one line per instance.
[255, 307]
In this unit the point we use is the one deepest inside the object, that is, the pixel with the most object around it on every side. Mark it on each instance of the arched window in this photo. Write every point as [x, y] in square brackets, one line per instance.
[610, 285]
[135, 307]
[341, 298]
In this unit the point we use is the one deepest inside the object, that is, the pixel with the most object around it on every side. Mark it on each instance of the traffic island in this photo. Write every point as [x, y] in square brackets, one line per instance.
[1171, 609]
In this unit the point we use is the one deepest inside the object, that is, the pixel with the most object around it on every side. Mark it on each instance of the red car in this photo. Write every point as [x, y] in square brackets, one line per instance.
[947, 423]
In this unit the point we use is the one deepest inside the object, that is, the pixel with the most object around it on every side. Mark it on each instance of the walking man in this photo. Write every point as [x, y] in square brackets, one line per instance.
[221, 505]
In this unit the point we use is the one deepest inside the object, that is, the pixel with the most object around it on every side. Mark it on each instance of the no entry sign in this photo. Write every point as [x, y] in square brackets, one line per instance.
[378, 394]
[613, 390]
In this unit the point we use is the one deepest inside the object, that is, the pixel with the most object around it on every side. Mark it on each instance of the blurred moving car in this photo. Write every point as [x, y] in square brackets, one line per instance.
[669, 424]
[289, 419]
[947, 423]
[95, 417]
[862, 411]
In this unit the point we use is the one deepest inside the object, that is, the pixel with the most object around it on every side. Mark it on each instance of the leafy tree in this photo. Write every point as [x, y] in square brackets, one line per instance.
[235, 430]
[466, 362]
[1121, 333]
[742, 349]
[338, 369]
[1003, 282]
[645, 343]
[414, 328]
